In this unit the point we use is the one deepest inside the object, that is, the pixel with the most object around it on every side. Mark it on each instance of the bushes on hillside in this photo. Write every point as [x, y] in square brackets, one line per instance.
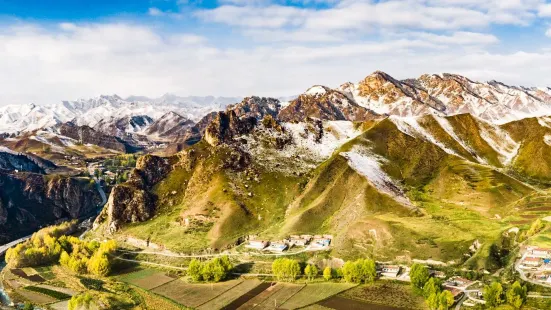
[52, 244]
[286, 269]
[214, 270]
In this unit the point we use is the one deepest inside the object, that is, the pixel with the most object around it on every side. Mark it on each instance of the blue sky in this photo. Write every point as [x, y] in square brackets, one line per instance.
[67, 49]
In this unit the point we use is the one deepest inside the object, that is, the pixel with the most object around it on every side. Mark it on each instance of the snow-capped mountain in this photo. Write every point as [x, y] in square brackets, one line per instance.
[448, 94]
[104, 110]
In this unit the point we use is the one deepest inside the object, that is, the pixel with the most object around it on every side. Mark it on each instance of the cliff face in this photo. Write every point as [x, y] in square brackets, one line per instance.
[87, 135]
[29, 201]
[23, 162]
[132, 202]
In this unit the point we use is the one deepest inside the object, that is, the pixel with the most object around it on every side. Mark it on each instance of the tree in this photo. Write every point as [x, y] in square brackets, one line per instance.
[419, 275]
[516, 295]
[285, 269]
[433, 286]
[433, 301]
[492, 294]
[327, 273]
[194, 270]
[360, 271]
[311, 271]
[28, 306]
[445, 300]
[82, 301]
[99, 265]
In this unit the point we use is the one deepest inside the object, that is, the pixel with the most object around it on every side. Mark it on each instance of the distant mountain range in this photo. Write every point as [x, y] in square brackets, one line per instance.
[91, 112]
[378, 93]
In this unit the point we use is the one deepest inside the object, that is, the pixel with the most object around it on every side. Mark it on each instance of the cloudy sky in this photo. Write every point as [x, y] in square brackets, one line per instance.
[65, 49]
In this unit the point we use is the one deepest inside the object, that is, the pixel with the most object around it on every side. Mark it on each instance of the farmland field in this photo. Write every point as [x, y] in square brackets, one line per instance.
[394, 294]
[231, 295]
[147, 278]
[314, 293]
[280, 296]
[192, 294]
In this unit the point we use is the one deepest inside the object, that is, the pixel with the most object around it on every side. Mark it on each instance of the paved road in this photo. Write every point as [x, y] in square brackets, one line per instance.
[523, 276]
[5, 247]
[222, 254]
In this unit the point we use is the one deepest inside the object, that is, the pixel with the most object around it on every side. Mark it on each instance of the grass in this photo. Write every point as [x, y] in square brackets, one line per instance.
[387, 293]
[315, 292]
[55, 294]
[193, 294]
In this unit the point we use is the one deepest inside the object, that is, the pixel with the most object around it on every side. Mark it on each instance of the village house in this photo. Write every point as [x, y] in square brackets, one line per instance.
[457, 293]
[391, 271]
[257, 244]
[320, 242]
[459, 282]
[297, 241]
[277, 247]
[532, 261]
[540, 252]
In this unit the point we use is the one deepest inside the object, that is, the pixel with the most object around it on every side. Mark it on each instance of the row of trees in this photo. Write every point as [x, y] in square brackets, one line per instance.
[536, 227]
[214, 270]
[54, 244]
[515, 296]
[359, 271]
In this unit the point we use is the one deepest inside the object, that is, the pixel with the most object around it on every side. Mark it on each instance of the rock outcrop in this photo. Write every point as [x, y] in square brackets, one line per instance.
[132, 201]
[87, 135]
[29, 201]
[226, 126]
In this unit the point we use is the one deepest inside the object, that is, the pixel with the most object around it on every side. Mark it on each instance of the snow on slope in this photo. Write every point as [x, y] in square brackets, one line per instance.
[547, 139]
[500, 141]
[336, 133]
[444, 124]
[410, 126]
[368, 165]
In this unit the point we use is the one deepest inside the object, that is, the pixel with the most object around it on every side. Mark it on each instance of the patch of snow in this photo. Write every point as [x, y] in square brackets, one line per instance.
[547, 139]
[544, 121]
[336, 133]
[499, 140]
[444, 124]
[411, 127]
[4, 149]
[316, 90]
[369, 165]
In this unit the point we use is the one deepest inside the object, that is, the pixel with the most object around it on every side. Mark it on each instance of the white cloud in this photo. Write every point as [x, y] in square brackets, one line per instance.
[155, 12]
[46, 65]
[548, 32]
[545, 10]
[460, 37]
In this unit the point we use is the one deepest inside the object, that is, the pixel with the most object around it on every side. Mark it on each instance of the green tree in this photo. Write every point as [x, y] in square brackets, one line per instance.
[194, 270]
[433, 286]
[419, 275]
[311, 271]
[493, 294]
[28, 306]
[327, 273]
[445, 300]
[83, 301]
[285, 269]
[99, 265]
[516, 295]
[359, 271]
[433, 301]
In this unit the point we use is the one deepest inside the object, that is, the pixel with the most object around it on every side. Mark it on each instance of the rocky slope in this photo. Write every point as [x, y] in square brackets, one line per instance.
[87, 135]
[29, 201]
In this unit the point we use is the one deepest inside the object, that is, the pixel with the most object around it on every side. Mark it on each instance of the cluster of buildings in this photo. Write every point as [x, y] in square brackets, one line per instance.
[538, 262]
[535, 257]
[311, 242]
